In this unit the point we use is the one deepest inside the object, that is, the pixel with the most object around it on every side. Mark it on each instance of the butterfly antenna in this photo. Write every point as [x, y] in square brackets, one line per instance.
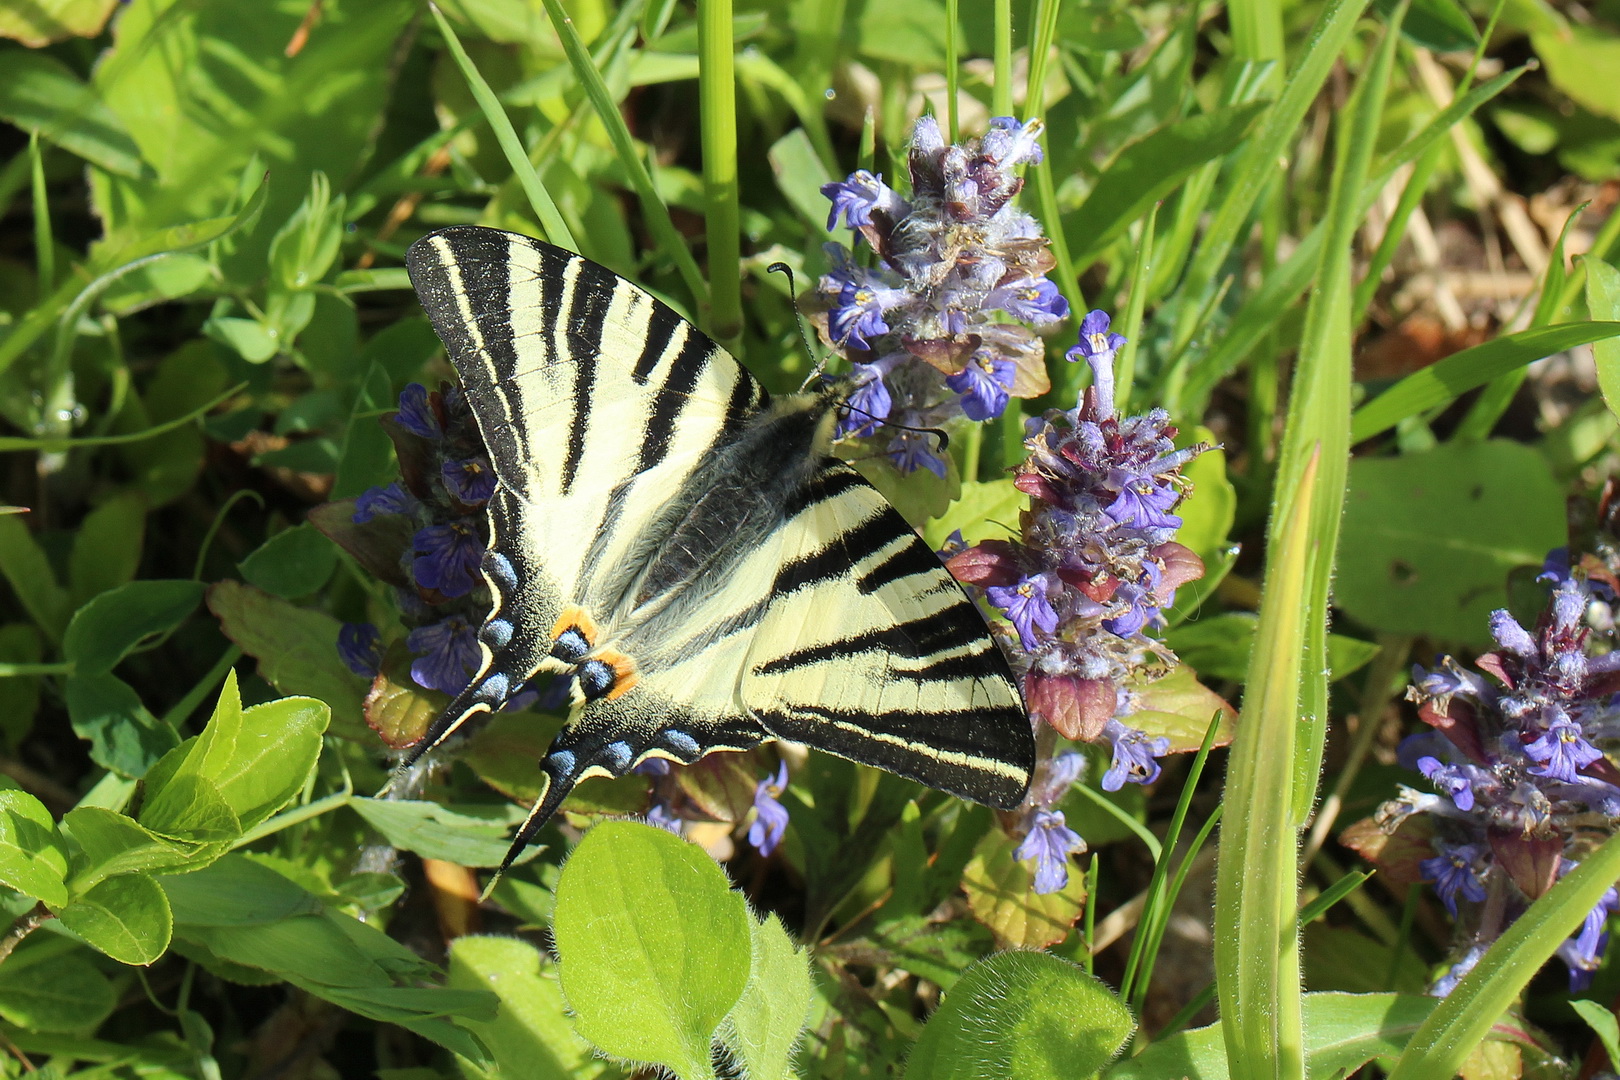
[818, 364]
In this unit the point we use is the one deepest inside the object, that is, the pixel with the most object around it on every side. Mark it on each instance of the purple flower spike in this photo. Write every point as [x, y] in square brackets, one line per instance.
[1510, 635]
[984, 385]
[858, 316]
[1037, 301]
[360, 648]
[770, 816]
[447, 654]
[389, 499]
[913, 450]
[1028, 608]
[1133, 760]
[1143, 502]
[469, 482]
[1049, 842]
[869, 405]
[447, 558]
[1450, 780]
[855, 198]
[416, 413]
[1563, 752]
[1453, 873]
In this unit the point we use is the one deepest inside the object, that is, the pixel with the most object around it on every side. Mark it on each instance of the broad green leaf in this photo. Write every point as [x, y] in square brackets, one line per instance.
[1427, 546]
[1217, 647]
[310, 950]
[1459, 373]
[40, 93]
[799, 175]
[1581, 61]
[1208, 512]
[111, 844]
[1342, 1033]
[192, 808]
[65, 993]
[473, 836]
[531, 1035]
[257, 759]
[1441, 25]
[1001, 894]
[126, 917]
[294, 562]
[1603, 301]
[1178, 707]
[367, 457]
[984, 510]
[107, 546]
[124, 736]
[1024, 1014]
[1150, 169]
[767, 1020]
[106, 629]
[296, 649]
[29, 573]
[31, 857]
[41, 22]
[235, 891]
[654, 945]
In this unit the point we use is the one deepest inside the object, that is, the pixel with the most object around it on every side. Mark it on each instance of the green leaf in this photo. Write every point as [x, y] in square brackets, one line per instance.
[29, 573]
[20, 643]
[45, 21]
[799, 175]
[109, 627]
[66, 993]
[1441, 383]
[107, 546]
[296, 649]
[1342, 1033]
[123, 736]
[474, 836]
[1427, 547]
[1024, 1014]
[1217, 647]
[111, 844]
[654, 945]
[40, 93]
[767, 1020]
[1603, 300]
[1603, 1025]
[984, 510]
[256, 759]
[1441, 25]
[294, 562]
[235, 891]
[531, 1035]
[125, 917]
[1150, 169]
[31, 857]
[1001, 894]
[1581, 61]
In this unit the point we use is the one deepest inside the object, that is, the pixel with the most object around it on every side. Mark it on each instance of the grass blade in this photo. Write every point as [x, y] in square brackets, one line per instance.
[551, 220]
[717, 110]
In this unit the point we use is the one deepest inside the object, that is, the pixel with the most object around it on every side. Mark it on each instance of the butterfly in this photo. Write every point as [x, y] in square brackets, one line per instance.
[683, 549]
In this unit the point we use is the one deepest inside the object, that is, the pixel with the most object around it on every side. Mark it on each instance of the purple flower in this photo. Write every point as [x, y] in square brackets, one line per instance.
[1450, 780]
[447, 654]
[1010, 142]
[1054, 780]
[1448, 982]
[858, 315]
[447, 558]
[1583, 952]
[416, 413]
[1140, 595]
[1049, 842]
[1510, 635]
[1037, 301]
[1563, 752]
[1453, 873]
[1133, 760]
[388, 499]
[470, 481]
[1027, 607]
[913, 450]
[770, 816]
[856, 198]
[664, 818]
[1143, 502]
[984, 385]
[360, 647]
[870, 403]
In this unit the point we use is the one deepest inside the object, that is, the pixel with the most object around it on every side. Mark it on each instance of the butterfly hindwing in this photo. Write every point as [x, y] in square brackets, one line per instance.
[661, 527]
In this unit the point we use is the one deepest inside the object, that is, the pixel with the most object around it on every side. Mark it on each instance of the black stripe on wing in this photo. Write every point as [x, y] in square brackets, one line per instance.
[594, 288]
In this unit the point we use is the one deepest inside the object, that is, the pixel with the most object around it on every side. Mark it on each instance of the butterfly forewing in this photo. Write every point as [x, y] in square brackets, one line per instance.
[752, 587]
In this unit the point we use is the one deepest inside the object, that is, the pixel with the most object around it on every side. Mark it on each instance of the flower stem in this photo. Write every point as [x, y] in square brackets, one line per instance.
[36, 917]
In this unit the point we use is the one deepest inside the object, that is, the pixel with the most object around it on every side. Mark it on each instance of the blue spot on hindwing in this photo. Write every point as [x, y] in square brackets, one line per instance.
[571, 646]
[596, 678]
[682, 743]
[495, 688]
[498, 568]
[619, 755]
[561, 762]
[496, 633]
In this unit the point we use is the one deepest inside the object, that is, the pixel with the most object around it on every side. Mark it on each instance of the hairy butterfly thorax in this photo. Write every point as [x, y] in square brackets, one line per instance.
[682, 550]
